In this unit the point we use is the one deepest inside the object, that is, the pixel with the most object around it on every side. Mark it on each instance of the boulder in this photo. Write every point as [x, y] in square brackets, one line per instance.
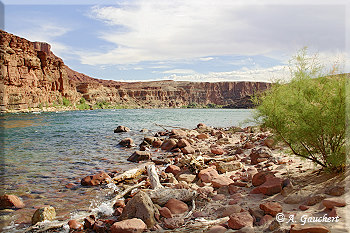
[176, 207]
[173, 169]
[182, 143]
[307, 228]
[178, 132]
[139, 156]
[260, 177]
[314, 199]
[268, 142]
[228, 210]
[168, 144]
[332, 202]
[266, 219]
[202, 136]
[121, 129]
[336, 190]
[133, 225]
[257, 155]
[173, 223]
[217, 150]
[188, 178]
[188, 150]
[75, 225]
[206, 175]
[220, 181]
[240, 220]
[257, 213]
[223, 167]
[165, 212]
[127, 142]
[271, 208]
[216, 229]
[10, 201]
[157, 143]
[96, 179]
[45, 213]
[140, 206]
[201, 125]
[150, 139]
[271, 186]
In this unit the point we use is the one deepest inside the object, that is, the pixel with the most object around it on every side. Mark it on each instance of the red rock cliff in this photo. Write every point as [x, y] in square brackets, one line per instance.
[32, 75]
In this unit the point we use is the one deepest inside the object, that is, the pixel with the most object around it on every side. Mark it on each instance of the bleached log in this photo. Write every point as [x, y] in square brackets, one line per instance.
[131, 174]
[153, 177]
[162, 196]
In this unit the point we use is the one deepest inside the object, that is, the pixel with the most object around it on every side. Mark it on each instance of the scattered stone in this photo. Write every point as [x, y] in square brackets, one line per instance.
[150, 139]
[176, 207]
[313, 200]
[257, 154]
[173, 223]
[217, 229]
[133, 225]
[157, 143]
[294, 198]
[271, 208]
[247, 229]
[274, 225]
[173, 169]
[303, 207]
[223, 167]
[10, 201]
[220, 181]
[261, 177]
[201, 125]
[333, 212]
[240, 220]
[336, 191]
[206, 175]
[268, 142]
[232, 188]
[70, 186]
[178, 132]
[228, 210]
[202, 136]
[75, 225]
[100, 227]
[266, 219]
[96, 179]
[272, 186]
[188, 178]
[165, 212]
[182, 143]
[45, 213]
[139, 156]
[217, 150]
[119, 203]
[188, 150]
[140, 206]
[332, 202]
[121, 129]
[219, 197]
[127, 142]
[89, 222]
[297, 228]
[168, 144]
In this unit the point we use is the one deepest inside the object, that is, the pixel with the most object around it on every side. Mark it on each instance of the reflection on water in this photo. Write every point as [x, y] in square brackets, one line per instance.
[44, 152]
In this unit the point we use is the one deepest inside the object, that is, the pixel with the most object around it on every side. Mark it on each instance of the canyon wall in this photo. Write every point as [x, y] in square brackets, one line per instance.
[32, 75]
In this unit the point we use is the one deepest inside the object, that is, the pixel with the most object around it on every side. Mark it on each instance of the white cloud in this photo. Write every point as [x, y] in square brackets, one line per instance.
[154, 30]
[179, 71]
[206, 58]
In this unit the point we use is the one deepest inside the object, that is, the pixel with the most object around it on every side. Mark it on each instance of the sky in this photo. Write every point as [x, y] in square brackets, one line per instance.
[190, 40]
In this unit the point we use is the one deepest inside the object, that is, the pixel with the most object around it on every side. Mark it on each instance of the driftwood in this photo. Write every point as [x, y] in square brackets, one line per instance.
[131, 174]
[161, 196]
[153, 177]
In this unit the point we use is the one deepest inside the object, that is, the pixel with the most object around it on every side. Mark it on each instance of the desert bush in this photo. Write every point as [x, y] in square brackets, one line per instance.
[308, 113]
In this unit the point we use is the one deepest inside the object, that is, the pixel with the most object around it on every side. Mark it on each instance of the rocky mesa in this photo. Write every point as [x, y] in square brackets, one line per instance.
[31, 75]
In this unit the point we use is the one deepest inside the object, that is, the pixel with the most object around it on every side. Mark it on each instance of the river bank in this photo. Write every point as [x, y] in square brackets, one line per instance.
[230, 179]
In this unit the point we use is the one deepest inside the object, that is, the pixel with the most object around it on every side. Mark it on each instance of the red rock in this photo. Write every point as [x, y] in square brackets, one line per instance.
[303, 207]
[165, 212]
[221, 181]
[268, 142]
[100, 227]
[219, 197]
[314, 199]
[182, 143]
[240, 220]
[95, 179]
[272, 186]
[333, 212]
[206, 175]
[89, 222]
[260, 153]
[248, 146]
[70, 185]
[121, 129]
[173, 223]
[75, 225]
[187, 150]
[329, 203]
[118, 211]
[173, 169]
[139, 155]
[178, 132]
[266, 219]
[255, 191]
[202, 136]
[199, 214]
[10, 201]
[233, 202]
[336, 190]
[228, 210]
[307, 228]
[157, 143]
[217, 229]
[176, 207]
[168, 144]
[271, 208]
[119, 203]
[201, 125]
[232, 189]
[260, 178]
[217, 150]
[133, 225]
[127, 142]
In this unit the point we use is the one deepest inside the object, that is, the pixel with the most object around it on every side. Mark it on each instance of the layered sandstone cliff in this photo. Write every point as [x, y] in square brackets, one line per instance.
[32, 75]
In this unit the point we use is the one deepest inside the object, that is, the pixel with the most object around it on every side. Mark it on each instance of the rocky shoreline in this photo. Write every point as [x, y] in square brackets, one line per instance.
[209, 180]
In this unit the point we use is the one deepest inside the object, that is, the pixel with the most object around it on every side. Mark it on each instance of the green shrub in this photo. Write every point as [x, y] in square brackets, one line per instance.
[308, 113]
[82, 100]
[65, 102]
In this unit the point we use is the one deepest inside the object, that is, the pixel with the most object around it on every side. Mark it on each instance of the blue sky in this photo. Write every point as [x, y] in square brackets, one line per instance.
[191, 40]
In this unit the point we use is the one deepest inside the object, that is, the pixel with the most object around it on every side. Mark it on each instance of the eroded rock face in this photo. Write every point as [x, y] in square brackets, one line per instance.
[31, 75]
